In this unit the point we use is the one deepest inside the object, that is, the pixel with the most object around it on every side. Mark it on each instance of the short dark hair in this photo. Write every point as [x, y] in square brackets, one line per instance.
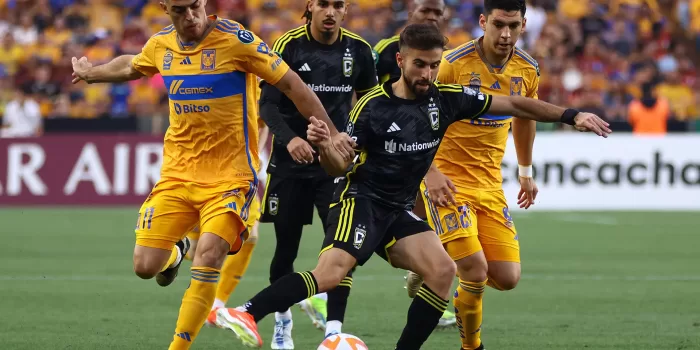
[421, 37]
[505, 5]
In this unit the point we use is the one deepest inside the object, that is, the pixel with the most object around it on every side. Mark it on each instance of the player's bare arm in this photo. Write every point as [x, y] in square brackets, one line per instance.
[116, 71]
[309, 105]
[330, 158]
[441, 190]
[524, 139]
[533, 109]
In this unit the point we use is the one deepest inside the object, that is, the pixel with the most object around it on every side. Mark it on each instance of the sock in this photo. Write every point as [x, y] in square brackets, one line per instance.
[218, 303]
[468, 310]
[282, 294]
[232, 271]
[196, 305]
[423, 316]
[338, 300]
[333, 326]
[283, 316]
[174, 258]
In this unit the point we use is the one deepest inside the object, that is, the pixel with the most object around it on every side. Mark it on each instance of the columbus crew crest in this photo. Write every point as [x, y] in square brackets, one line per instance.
[360, 234]
[274, 203]
[434, 114]
[347, 63]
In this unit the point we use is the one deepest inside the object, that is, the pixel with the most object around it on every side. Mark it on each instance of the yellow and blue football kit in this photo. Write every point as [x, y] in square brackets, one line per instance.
[471, 154]
[210, 154]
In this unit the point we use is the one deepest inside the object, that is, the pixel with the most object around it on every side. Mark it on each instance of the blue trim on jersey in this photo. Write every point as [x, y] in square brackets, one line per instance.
[205, 86]
[461, 55]
[495, 117]
[165, 31]
[228, 24]
[226, 30]
[457, 52]
[527, 59]
[247, 140]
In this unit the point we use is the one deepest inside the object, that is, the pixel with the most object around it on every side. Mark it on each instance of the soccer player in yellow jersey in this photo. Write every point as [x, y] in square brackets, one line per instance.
[465, 203]
[210, 154]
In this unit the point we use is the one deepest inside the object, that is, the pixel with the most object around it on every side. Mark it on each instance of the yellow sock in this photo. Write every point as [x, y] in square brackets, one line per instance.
[174, 255]
[234, 268]
[195, 307]
[468, 309]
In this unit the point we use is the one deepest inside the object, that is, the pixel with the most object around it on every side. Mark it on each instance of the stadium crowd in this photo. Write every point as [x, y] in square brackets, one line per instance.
[607, 56]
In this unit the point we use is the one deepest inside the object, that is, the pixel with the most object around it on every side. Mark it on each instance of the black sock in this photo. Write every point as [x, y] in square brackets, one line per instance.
[288, 237]
[282, 294]
[423, 316]
[338, 299]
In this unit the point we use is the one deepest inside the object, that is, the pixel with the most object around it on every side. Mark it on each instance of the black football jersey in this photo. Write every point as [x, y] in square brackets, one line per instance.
[387, 67]
[397, 139]
[334, 72]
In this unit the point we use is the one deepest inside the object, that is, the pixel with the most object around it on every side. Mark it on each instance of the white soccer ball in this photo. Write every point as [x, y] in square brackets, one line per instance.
[342, 341]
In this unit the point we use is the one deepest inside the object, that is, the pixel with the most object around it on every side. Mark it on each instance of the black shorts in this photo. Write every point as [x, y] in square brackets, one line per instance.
[293, 199]
[361, 226]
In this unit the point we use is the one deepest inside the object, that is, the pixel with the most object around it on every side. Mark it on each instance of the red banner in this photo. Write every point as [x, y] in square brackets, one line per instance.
[85, 169]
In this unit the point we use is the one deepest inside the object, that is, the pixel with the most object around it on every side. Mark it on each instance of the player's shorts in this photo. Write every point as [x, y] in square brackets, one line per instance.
[480, 221]
[361, 226]
[195, 232]
[175, 207]
[292, 200]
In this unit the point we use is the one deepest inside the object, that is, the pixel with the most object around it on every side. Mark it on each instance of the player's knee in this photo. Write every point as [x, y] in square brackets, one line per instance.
[145, 270]
[440, 275]
[473, 268]
[332, 267]
[211, 251]
[505, 279]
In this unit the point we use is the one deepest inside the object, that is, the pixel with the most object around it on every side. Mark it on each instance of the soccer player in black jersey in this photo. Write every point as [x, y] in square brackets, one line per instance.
[397, 128]
[335, 64]
[419, 11]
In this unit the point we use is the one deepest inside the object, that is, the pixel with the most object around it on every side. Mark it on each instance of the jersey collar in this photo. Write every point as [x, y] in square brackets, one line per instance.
[193, 45]
[338, 42]
[480, 51]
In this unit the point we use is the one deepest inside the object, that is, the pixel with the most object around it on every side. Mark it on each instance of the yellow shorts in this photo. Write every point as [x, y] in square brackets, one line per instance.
[194, 233]
[175, 207]
[480, 221]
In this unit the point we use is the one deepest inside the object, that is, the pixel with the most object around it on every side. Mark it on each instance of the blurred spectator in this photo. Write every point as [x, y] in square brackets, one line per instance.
[679, 95]
[22, 117]
[649, 114]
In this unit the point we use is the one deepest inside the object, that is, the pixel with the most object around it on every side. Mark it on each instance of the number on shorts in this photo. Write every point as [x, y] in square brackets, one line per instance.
[464, 218]
[144, 221]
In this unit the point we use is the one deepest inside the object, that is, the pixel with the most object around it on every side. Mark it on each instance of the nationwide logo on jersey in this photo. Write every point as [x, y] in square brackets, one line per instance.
[475, 82]
[167, 59]
[516, 86]
[347, 63]
[360, 234]
[392, 146]
[434, 114]
[208, 59]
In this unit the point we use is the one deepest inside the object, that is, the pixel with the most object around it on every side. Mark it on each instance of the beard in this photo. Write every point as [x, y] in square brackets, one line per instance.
[418, 86]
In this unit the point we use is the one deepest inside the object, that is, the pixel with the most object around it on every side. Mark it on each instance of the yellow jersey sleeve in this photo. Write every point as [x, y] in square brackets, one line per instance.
[145, 61]
[447, 74]
[534, 85]
[255, 57]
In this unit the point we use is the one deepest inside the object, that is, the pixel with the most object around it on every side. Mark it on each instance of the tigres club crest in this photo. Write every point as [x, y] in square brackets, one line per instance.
[516, 86]
[475, 82]
[208, 59]
[347, 63]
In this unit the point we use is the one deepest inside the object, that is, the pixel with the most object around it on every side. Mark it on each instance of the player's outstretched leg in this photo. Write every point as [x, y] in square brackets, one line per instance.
[424, 254]
[199, 297]
[152, 262]
[413, 283]
[472, 271]
[337, 303]
[333, 266]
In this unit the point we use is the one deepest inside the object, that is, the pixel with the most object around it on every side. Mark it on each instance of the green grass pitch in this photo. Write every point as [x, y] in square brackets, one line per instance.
[590, 281]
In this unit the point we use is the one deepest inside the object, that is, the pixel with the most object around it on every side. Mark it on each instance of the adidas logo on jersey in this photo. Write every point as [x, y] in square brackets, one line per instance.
[496, 86]
[305, 68]
[393, 128]
[186, 61]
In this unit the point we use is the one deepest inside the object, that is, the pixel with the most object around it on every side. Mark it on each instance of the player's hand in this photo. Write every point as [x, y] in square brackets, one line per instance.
[592, 122]
[345, 145]
[80, 69]
[318, 133]
[528, 192]
[440, 188]
[301, 151]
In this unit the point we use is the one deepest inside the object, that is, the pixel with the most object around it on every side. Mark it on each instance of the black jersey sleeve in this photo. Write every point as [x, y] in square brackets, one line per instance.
[359, 127]
[386, 62]
[270, 98]
[464, 102]
[367, 78]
